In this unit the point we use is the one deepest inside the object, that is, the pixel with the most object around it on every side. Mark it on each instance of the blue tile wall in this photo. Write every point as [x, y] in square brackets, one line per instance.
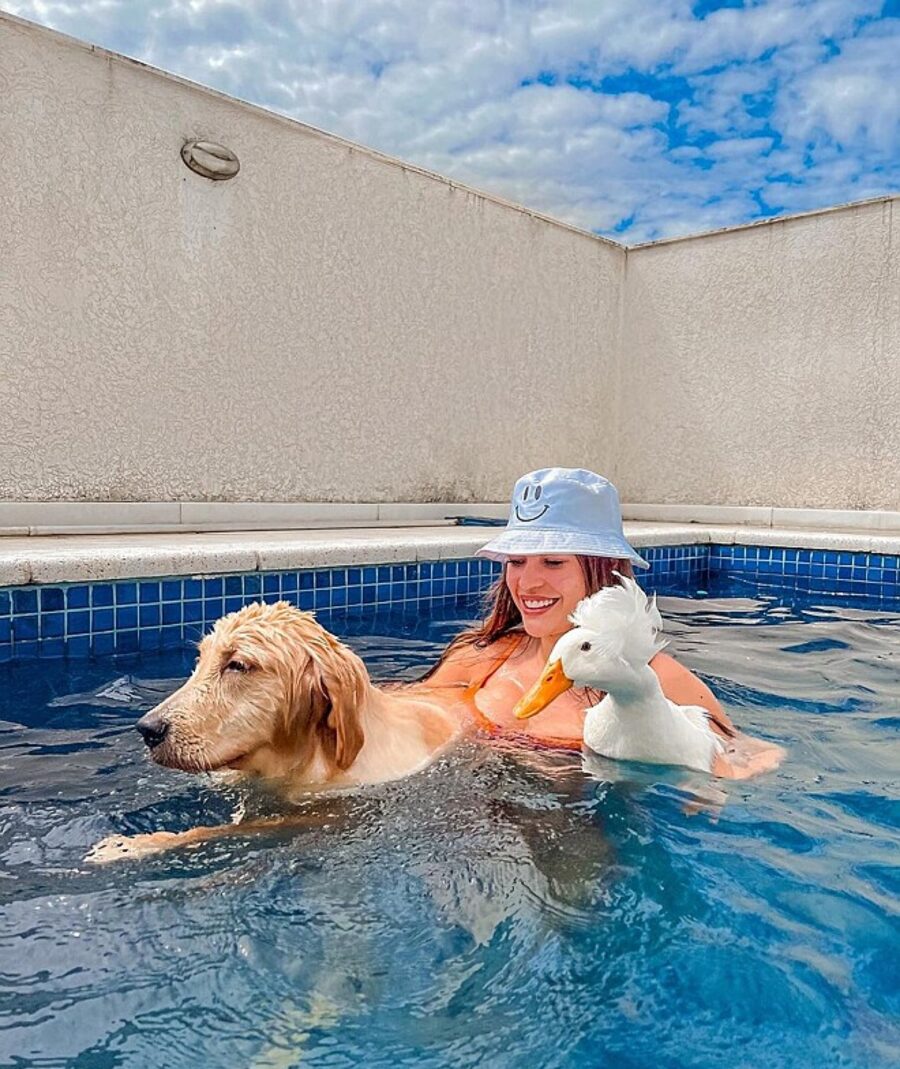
[773, 569]
[127, 616]
[80, 620]
[674, 569]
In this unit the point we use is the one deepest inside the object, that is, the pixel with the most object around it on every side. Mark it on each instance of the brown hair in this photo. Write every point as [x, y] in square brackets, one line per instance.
[503, 618]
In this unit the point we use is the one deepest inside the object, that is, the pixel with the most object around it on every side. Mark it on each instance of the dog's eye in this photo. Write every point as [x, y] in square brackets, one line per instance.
[236, 666]
[585, 647]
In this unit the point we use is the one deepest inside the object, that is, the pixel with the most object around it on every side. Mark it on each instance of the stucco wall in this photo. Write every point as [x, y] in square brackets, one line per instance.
[333, 326]
[327, 326]
[761, 366]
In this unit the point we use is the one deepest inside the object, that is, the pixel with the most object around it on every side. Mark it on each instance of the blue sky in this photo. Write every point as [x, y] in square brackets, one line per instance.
[637, 119]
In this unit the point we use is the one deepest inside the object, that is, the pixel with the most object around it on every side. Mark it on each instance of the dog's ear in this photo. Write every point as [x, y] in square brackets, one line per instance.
[342, 678]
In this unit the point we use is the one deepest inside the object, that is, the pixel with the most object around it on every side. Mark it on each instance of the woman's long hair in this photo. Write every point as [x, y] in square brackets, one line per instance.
[503, 618]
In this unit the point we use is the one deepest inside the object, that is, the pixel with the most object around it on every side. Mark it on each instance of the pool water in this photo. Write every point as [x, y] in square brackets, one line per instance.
[503, 908]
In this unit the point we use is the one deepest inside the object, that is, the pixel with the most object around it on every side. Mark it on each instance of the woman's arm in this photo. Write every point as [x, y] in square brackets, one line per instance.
[684, 688]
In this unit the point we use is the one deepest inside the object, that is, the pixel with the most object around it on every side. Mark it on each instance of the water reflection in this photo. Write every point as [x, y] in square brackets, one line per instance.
[504, 907]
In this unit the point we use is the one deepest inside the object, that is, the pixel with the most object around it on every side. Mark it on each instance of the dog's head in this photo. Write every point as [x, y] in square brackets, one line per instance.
[272, 692]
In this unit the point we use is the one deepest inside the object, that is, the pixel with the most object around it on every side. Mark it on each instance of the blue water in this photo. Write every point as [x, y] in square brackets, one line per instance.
[501, 909]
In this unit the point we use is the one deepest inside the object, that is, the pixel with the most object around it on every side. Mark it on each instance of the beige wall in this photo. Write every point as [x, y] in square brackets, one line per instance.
[326, 326]
[333, 326]
[761, 366]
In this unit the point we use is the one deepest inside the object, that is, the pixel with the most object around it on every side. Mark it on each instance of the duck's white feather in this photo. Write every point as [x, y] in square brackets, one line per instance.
[623, 620]
[616, 634]
[652, 733]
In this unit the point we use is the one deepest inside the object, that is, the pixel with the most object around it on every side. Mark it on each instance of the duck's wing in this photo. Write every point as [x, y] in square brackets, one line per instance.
[703, 719]
[719, 726]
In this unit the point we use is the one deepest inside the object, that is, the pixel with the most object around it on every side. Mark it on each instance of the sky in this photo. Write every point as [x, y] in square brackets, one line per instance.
[634, 119]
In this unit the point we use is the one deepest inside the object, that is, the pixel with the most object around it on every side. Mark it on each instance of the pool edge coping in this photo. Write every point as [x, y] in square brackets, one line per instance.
[42, 560]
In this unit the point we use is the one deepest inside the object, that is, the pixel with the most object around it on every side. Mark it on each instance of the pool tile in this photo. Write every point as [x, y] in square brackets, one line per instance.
[52, 599]
[150, 640]
[78, 597]
[24, 602]
[102, 596]
[127, 642]
[126, 593]
[25, 628]
[193, 589]
[193, 611]
[78, 646]
[213, 608]
[103, 644]
[213, 588]
[149, 592]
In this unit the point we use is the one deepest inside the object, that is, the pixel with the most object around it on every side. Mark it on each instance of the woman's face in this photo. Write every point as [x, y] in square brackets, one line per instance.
[545, 590]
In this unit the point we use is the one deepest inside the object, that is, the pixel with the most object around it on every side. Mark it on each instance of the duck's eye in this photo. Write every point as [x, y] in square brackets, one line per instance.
[585, 647]
[235, 665]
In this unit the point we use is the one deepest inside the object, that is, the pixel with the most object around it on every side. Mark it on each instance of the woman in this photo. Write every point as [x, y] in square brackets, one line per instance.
[563, 541]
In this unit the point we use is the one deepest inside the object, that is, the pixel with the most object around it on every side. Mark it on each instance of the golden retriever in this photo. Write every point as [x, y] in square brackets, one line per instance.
[274, 694]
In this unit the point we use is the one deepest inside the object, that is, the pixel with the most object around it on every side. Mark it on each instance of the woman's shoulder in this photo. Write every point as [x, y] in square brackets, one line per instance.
[465, 663]
[672, 675]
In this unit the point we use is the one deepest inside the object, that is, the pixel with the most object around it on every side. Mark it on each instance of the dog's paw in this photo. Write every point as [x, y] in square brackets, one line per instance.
[129, 847]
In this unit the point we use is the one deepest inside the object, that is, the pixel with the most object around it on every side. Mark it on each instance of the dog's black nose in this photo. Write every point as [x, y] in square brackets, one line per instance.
[153, 729]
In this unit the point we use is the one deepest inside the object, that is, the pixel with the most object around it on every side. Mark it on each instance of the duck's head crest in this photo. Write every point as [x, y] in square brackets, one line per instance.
[622, 621]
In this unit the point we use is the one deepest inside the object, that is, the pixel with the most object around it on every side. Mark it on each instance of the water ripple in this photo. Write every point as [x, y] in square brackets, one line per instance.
[500, 909]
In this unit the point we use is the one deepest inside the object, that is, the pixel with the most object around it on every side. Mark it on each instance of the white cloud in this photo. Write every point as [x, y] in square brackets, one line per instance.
[749, 96]
[745, 34]
[854, 98]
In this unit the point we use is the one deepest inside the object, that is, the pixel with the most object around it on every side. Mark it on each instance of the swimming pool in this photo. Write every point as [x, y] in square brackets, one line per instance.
[500, 909]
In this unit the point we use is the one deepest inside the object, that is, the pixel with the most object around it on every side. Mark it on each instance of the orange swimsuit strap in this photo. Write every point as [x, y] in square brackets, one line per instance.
[485, 724]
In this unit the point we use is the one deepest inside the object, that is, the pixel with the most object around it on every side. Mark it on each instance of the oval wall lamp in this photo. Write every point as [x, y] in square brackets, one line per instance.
[210, 160]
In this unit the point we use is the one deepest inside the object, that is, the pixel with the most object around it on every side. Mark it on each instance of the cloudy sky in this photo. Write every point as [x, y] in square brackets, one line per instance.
[636, 119]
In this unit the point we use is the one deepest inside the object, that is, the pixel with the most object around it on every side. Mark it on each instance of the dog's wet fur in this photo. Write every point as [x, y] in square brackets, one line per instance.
[275, 694]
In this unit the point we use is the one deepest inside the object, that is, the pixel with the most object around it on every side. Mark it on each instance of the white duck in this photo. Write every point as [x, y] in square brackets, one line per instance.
[616, 633]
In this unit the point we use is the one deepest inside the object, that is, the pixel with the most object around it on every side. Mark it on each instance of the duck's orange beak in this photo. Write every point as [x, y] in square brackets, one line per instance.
[553, 681]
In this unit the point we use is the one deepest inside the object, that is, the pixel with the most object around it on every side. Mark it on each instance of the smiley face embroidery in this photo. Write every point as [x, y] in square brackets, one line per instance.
[525, 513]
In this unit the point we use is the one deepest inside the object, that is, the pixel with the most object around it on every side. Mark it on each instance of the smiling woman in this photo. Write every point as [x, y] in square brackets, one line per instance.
[563, 541]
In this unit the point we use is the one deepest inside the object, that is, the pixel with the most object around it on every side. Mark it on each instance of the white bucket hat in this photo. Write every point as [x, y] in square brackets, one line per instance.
[563, 510]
